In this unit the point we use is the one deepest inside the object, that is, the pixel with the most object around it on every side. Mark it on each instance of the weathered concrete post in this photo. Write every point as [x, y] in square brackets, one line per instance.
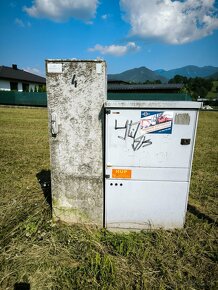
[76, 93]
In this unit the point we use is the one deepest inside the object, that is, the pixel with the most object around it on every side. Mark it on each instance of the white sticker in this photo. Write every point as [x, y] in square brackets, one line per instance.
[98, 68]
[182, 119]
[54, 67]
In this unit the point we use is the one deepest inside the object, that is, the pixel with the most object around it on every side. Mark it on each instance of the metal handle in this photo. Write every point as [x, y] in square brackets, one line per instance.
[185, 141]
[54, 124]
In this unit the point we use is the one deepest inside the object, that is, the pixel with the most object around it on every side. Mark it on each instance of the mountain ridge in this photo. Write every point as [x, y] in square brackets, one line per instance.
[190, 71]
[142, 74]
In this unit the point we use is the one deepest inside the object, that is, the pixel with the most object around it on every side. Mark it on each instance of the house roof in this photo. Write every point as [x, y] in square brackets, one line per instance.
[142, 87]
[140, 96]
[13, 73]
[113, 81]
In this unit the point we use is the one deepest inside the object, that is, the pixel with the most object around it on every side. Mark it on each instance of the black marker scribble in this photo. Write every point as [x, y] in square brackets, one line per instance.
[131, 131]
[140, 142]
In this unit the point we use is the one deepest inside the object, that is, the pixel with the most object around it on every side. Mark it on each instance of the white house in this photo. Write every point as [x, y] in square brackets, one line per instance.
[14, 79]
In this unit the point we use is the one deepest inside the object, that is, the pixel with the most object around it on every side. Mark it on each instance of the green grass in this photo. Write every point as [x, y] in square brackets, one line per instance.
[54, 256]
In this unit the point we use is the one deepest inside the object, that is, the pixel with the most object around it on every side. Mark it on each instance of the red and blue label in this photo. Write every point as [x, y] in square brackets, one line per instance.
[156, 122]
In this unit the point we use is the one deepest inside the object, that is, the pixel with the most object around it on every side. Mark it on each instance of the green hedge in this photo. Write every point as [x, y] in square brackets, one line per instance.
[23, 98]
[40, 99]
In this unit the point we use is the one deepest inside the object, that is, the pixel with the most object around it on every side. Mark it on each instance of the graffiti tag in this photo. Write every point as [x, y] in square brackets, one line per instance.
[131, 130]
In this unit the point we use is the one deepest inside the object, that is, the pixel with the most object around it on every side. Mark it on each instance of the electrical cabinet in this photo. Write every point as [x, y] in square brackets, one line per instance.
[148, 158]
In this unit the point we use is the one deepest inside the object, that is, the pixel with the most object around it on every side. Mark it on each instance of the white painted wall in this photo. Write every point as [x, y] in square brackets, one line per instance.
[32, 86]
[20, 87]
[4, 85]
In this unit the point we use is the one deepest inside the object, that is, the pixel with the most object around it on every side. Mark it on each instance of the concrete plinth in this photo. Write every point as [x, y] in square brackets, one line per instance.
[76, 92]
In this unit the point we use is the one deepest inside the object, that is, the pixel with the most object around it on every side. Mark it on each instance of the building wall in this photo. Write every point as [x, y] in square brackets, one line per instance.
[32, 87]
[4, 85]
[20, 88]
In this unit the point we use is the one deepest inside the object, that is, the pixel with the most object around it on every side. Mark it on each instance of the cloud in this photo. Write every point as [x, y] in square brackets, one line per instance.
[19, 22]
[57, 10]
[171, 21]
[105, 16]
[33, 70]
[117, 50]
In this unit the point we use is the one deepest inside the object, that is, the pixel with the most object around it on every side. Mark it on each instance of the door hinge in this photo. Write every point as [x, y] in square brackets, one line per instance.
[107, 111]
[107, 176]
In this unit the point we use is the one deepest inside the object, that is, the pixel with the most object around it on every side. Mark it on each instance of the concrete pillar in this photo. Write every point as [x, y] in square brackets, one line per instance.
[76, 92]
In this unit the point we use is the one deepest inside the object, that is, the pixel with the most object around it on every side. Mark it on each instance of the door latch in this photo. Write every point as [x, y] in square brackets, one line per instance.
[185, 141]
[54, 124]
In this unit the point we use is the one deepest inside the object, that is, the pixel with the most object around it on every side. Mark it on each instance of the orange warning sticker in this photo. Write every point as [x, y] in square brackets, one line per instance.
[121, 173]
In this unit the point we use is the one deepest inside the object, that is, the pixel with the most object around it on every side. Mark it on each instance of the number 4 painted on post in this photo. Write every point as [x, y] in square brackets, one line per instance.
[74, 81]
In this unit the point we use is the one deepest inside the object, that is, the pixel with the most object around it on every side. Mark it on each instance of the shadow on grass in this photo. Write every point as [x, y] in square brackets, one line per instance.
[22, 286]
[192, 209]
[44, 179]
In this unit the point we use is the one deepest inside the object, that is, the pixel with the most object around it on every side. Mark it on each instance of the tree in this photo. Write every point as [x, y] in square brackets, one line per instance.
[147, 82]
[199, 86]
[194, 86]
[178, 79]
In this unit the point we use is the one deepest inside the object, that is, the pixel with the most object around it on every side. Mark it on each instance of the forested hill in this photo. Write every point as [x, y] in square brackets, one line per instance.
[143, 74]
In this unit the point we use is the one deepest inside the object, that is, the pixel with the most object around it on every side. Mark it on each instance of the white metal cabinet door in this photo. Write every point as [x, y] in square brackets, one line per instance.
[128, 144]
[143, 204]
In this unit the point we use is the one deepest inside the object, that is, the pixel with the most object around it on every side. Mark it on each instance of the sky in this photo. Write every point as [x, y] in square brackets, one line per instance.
[157, 34]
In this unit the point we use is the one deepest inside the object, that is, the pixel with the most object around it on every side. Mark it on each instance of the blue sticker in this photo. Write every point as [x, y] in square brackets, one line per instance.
[156, 122]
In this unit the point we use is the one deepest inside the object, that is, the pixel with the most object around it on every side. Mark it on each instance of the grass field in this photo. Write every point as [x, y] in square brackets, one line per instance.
[36, 254]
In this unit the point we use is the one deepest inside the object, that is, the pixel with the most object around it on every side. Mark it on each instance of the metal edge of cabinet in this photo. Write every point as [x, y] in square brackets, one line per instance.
[104, 163]
[191, 161]
[152, 104]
